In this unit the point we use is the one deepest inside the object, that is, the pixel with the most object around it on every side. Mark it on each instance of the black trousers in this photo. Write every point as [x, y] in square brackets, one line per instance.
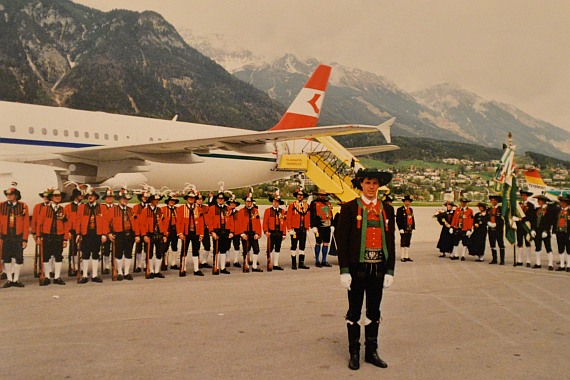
[538, 240]
[191, 240]
[12, 248]
[563, 241]
[106, 248]
[522, 236]
[299, 237]
[224, 241]
[124, 242]
[406, 239]
[206, 242]
[171, 240]
[496, 237]
[236, 241]
[90, 246]
[155, 246]
[324, 235]
[275, 241]
[251, 243]
[53, 246]
[366, 279]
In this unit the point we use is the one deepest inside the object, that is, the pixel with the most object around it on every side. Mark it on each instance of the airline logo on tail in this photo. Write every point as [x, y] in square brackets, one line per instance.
[305, 110]
[537, 186]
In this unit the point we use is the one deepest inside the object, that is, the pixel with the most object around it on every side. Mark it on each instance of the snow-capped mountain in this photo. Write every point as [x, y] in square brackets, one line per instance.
[443, 111]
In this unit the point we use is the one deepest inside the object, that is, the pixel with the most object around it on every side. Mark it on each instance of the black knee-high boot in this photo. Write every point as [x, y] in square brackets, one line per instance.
[354, 345]
[371, 345]
[502, 254]
[494, 253]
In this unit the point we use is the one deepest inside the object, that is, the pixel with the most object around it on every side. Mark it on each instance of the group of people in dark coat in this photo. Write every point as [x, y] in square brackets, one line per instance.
[538, 224]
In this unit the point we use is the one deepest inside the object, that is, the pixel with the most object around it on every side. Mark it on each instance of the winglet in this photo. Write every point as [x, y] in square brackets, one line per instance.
[385, 129]
[305, 110]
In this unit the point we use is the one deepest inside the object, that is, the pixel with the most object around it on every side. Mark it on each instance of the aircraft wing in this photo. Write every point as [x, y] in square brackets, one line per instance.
[167, 150]
[361, 151]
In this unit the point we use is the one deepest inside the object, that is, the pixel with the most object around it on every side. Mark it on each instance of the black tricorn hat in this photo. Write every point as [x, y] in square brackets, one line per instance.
[301, 192]
[525, 192]
[388, 198]
[234, 200]
[222, 195]
[44, 193]
[448, 203]
[564, 198]
[13, 190]
[172, 198]
[92, 192]
[464, 199]
[542, 197]
[498, 197]
[407, 198]
[276, 197]
[482, 204]
[58, 192]
[383, 177]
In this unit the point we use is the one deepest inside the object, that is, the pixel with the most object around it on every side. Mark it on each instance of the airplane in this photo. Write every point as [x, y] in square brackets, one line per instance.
[42, 146]
[537, 186]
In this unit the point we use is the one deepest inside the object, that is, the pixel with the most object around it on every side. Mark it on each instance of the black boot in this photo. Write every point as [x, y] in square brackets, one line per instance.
[354, 345]
[494, 253]
[371, 346]
[302, 262]
[502, 256]
[294, 262]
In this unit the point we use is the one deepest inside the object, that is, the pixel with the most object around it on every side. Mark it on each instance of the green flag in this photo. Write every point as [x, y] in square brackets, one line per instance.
[509, 207]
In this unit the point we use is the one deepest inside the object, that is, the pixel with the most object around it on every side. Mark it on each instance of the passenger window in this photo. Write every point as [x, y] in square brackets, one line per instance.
[106, 136]
[55, 132]
[31, 130]
[116, 137]
[76, 134]
[97, 135]
[44, 131]
[65, 133]
[86, 135]
[12, 128]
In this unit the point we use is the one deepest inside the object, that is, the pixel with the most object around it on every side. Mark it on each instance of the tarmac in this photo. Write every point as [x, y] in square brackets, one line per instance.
[441, 319]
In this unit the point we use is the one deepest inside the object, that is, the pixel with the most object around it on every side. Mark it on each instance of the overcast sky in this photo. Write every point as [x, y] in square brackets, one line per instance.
[513, 51]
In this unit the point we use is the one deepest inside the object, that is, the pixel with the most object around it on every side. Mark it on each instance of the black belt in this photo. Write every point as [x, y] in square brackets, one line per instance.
[373, 256]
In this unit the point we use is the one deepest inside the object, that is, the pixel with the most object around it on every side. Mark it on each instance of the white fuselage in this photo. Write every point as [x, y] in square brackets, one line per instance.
[31, 133]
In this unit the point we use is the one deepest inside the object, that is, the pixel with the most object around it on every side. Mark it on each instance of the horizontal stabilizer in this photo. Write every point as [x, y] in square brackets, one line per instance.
[364, 150]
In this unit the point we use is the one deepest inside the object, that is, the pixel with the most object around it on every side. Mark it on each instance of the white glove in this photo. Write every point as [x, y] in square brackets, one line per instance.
[533, 233]
[451, 231]
[401, 231]
[544, 234]
[346, 280]
[514, 225]
[291, 232]
[388, 280]
[315, 230]
[491, 224]
[468, 233]
[516, 219]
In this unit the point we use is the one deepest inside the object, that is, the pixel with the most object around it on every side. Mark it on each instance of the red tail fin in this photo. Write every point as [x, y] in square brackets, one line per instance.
[305, 110]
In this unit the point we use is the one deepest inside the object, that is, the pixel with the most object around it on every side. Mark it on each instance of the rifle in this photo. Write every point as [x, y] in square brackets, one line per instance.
[37, 261]
[135, 260]
[113, 262]
[182, 272]
[71, 260]
[269, 261]
[79, 263]
[245, 244]
[147, 269]
[102, 249]
[41, 259]
[216, 258]
[1, 247]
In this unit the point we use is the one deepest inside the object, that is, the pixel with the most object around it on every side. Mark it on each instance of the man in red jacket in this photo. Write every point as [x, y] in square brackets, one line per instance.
[14, 229]
[53, 233]
[275, 227]
[154, 227]
[123, 232]
[221, 226]
[462, 228]
[298, 223]
[190, 229]
[93, 227]
[249, 228]
[72, 212]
